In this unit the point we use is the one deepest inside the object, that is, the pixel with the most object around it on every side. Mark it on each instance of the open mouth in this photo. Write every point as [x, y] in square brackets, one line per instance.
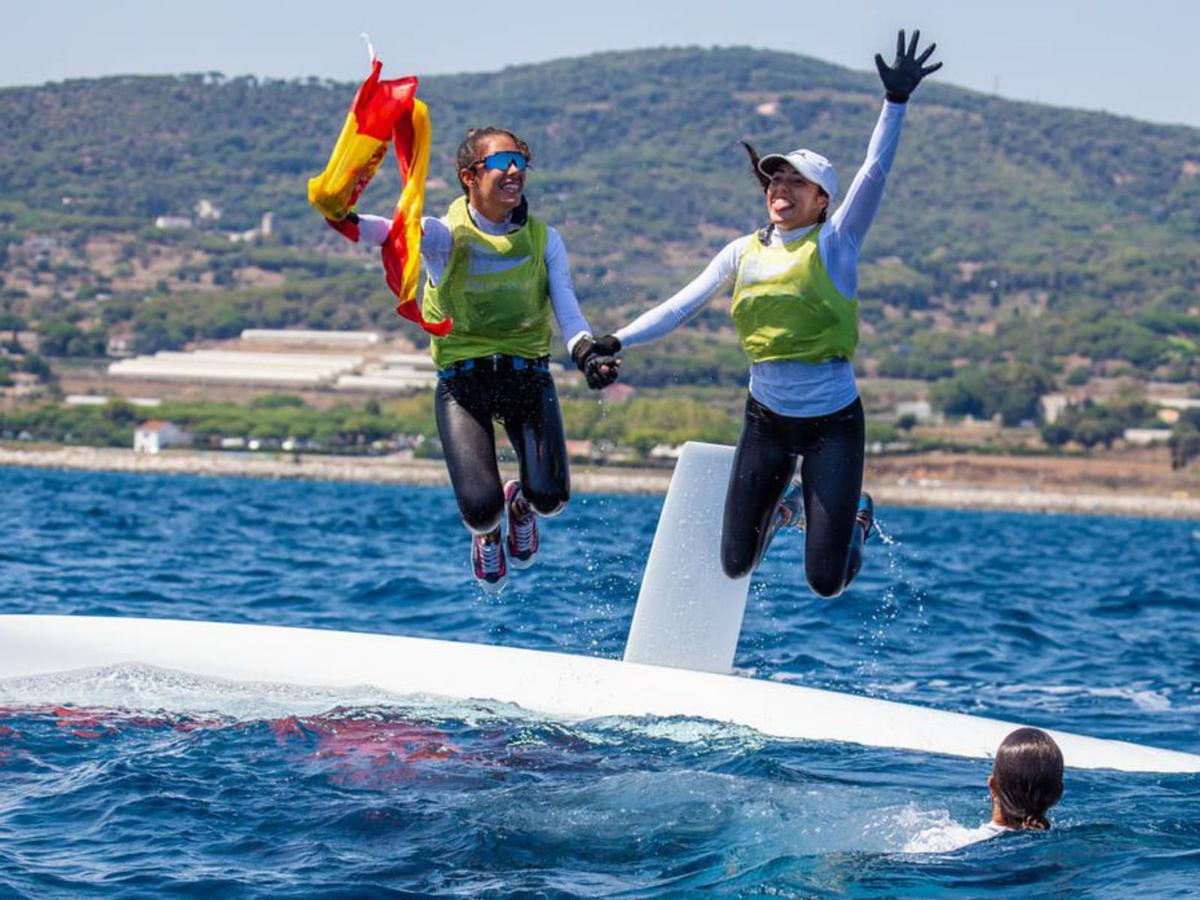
[511, 186]
[781, 205]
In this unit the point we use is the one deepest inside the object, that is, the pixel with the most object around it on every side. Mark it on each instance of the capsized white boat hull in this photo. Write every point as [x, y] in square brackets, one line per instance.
[557, 685]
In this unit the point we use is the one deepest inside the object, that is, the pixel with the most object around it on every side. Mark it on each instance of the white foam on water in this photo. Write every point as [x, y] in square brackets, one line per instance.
[879, 688]
[758, 819]
[934, 831]
[1144, 699]
[138, 688]
[135, 687]
[678, 729]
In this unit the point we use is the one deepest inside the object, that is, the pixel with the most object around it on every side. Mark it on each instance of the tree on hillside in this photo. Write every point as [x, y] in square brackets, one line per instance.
[59, 337]
[1185, 439]
[962, 394]
[11, 322]
[1091, 424]
[1011, 390]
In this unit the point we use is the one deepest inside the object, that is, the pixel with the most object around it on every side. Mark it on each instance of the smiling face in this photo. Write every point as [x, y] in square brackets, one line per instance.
[493, 193]
[792, 200]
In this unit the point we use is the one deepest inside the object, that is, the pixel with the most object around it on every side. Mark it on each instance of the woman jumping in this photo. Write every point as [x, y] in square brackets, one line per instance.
[796, 316]
[498, 272]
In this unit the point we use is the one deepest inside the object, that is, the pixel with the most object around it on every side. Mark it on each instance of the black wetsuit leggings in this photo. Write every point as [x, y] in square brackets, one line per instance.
[526, 403]
[831, 473]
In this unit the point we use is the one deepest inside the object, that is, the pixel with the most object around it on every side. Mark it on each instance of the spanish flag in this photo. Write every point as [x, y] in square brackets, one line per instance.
[383, 112]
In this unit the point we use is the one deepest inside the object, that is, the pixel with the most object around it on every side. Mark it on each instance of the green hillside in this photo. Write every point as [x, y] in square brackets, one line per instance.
[1010, 231]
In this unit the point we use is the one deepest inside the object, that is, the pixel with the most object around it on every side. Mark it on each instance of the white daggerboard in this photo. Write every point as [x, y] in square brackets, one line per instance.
[689, 612]
[559, 685]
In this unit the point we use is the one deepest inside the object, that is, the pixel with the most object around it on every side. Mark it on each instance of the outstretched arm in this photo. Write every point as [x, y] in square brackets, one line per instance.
[853, 218]
[661, 320]
[901, 78]
[435, 239]
[674, 311]
[849, 225]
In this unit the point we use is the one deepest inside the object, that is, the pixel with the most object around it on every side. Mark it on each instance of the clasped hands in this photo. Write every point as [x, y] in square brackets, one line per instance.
[597, 359]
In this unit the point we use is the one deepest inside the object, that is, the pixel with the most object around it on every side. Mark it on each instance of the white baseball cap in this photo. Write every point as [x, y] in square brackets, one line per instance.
[812, 166]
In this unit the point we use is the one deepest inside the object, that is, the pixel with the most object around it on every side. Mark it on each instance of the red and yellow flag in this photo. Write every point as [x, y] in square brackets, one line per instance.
[383, 112]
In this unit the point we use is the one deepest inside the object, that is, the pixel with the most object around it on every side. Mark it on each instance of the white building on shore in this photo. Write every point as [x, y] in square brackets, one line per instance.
[153, 435]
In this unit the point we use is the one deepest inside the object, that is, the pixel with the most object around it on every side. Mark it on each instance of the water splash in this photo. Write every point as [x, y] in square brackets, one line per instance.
[901, 600]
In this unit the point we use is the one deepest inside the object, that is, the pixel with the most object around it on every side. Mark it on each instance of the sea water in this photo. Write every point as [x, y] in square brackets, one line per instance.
[162, 783]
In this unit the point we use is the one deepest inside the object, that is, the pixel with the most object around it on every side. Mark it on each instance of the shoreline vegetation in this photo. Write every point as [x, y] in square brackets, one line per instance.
[931, 480]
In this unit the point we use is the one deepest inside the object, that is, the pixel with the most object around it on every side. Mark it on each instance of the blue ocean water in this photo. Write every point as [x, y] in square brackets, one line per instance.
[168, 784]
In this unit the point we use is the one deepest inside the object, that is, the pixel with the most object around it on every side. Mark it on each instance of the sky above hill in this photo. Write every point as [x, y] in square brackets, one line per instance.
[1130, 59]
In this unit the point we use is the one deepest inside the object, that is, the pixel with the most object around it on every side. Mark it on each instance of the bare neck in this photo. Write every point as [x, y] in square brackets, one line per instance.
[494, 213]
[998, 815]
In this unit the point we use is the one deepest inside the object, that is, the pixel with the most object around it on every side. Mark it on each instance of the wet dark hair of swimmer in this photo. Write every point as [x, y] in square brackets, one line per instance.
[765, 180]
[1027, 779]
[468, 150]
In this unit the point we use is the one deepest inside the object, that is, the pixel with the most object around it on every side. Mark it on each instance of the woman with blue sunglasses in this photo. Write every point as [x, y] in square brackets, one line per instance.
[795, 313]
[498, 273]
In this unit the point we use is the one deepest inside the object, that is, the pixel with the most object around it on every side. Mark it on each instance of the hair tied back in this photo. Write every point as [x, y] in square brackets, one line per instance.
[763, 180]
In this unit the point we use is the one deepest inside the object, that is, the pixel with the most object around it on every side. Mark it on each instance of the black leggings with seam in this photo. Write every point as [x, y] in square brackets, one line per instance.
[832, 448]
[526, 403]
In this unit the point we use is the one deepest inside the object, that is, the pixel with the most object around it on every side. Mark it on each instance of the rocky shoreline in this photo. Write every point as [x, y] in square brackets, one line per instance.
[889, 485]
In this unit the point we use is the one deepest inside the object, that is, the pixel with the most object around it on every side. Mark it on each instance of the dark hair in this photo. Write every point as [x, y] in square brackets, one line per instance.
[1027, 778]
[468, 150]
[754, 158]
[765, 180]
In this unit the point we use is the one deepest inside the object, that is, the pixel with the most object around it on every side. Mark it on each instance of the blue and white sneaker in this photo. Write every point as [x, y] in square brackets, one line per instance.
[790, 511]
[522, 529]
[866, 515]
[487, 561]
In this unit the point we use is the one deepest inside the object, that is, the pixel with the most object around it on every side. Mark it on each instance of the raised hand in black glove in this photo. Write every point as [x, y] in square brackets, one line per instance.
[599, 367]
[904, 74]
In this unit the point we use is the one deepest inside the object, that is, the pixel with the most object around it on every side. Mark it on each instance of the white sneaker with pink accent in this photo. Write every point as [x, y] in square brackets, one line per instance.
[522, 527]
[487, 561]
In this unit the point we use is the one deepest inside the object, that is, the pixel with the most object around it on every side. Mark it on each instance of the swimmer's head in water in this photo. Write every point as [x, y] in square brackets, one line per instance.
[1027, 779]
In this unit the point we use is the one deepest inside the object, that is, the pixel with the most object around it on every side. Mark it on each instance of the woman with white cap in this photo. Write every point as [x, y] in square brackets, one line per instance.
[796, 316]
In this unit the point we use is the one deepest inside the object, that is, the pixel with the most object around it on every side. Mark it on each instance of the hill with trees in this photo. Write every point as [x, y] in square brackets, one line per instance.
[1034, 242]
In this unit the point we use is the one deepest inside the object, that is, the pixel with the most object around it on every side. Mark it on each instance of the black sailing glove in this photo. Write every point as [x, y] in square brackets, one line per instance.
[608, 345]
[600, 369]
[904, 74]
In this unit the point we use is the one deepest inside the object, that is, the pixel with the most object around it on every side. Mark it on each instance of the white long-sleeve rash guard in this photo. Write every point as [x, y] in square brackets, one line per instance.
[436, 243]
[793, 387]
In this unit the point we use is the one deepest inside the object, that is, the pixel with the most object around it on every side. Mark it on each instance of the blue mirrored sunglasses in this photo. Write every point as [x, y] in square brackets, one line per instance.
[503, 160]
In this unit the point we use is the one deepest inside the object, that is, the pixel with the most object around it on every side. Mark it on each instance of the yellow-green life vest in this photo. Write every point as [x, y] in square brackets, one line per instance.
[496, 290]
[785, 305]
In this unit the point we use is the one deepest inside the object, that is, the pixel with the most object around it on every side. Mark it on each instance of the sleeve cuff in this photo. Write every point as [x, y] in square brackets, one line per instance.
[373, 230]
[575, 340]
